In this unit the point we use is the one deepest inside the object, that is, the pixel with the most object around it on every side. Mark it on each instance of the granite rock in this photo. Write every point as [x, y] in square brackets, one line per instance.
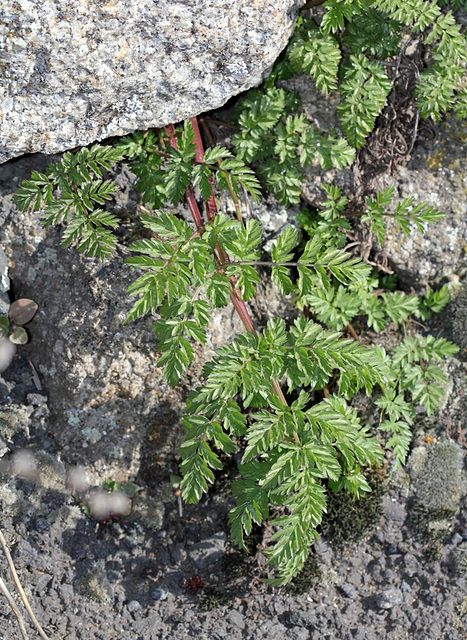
[76, 71]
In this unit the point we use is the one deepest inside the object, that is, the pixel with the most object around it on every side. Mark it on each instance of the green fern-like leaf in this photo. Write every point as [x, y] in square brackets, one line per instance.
[316, 53]
[364, 89]
[285, 183]
[399, 440]
[34, 192]
[338, 11]
[373, 34]
[399, 306]
[252, 506]
[69, 192]
[297, 530]
[335, 308]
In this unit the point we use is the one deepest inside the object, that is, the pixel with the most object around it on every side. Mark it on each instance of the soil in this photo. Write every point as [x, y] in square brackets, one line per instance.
[122, 580]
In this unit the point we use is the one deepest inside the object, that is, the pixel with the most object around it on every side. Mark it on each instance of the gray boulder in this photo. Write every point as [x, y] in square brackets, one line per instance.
[76, 72]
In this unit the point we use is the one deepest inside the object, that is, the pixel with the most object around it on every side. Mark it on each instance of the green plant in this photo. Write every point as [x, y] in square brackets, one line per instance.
[111, 502]
[338, 305]
[282, 144]
[78, 177]
[211, 599]
[360, 49]
[12, 332]
[283, 395]
[299, 437]
[460, 559]
[306, 578]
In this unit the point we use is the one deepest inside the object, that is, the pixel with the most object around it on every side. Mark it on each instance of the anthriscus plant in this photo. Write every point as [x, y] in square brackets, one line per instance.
[302, 438]
[280, 394]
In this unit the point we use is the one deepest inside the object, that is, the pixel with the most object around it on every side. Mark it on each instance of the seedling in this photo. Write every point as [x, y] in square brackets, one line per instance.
[111, 502]
[12, 332]
[21, 312]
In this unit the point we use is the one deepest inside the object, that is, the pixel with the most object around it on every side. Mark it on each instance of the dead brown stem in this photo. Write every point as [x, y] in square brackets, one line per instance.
[9, 560]
[16, 611]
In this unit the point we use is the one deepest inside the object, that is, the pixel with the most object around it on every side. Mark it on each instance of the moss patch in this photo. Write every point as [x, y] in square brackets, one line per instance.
[349, 520]
[95, 586]
[307, 577]
[211, 599]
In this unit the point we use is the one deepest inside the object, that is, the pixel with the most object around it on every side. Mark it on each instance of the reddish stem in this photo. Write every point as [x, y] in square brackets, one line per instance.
[199, 155]
[170, 131]
[193, 206]
[190, 196]
[211, 205]
[221, 256]
[227, 179]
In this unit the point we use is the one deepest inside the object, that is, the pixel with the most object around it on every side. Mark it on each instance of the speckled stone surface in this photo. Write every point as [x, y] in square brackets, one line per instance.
[76, 71]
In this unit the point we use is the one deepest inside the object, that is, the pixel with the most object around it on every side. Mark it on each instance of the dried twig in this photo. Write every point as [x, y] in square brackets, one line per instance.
[16, 611]
[35, 377]
[6, 551]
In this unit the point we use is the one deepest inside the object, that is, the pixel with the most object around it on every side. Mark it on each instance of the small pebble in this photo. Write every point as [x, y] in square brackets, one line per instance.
[456, 539]
[161, 593]
[236, 618]
[389, 598]
[349, 590]
[133, 606]
[405, 587]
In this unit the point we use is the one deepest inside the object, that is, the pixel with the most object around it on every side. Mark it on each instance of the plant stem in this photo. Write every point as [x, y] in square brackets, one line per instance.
[233, 195]
[363, 213]
[222, 259]
[189, 194]
[193, 206]
[211, 206]
[352, 332]
[278, 392]
[199, 153]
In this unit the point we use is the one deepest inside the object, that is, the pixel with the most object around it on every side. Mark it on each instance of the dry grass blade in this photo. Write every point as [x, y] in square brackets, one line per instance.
[8, 557]
[16, 611]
